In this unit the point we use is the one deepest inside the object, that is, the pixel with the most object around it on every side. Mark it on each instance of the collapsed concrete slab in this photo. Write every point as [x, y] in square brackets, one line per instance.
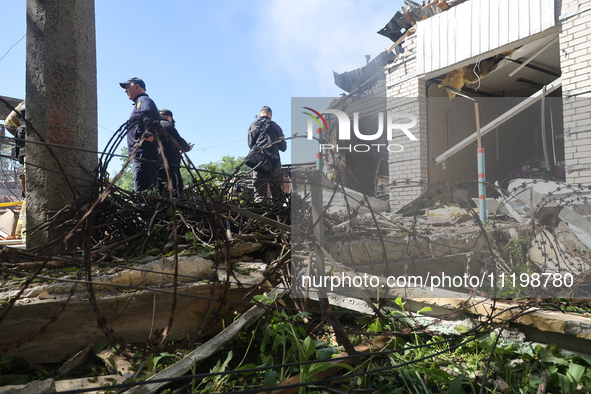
[337, 198]
[551, 256]
[40, 328]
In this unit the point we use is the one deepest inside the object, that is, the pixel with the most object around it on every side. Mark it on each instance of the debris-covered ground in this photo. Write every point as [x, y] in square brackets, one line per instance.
[155, 281]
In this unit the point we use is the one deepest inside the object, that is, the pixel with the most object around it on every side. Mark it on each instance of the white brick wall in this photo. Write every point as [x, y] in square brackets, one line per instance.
[575, 62]
[403, 90]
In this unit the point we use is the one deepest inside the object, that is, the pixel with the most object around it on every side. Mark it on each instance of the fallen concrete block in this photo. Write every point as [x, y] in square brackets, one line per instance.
[552, 257]
[36, 387]
[85, 383]
[76, 360]
[115, 363]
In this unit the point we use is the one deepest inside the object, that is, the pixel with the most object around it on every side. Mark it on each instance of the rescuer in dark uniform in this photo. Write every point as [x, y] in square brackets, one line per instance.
[145, 163]
[174, 146]
[261, 133]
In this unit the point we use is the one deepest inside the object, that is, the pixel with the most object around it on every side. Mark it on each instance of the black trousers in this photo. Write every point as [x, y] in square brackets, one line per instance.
[272, 178]
[175, 177]
[144, 174]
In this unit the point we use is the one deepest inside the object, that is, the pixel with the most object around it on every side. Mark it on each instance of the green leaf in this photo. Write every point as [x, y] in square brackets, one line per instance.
[567, 386]
[375, 326]
[342, 365]
[553, 360]
[309, 347]
[323, 354]
[153, 252]
[425, 309]
[318, 367]
[248, 366]
[98, 348]
[576, 371]
[157, 359]
[270, 379]
[266, 360]
[260, 297]
[437, 375]
[534, 382]
[455, 387]
[228, 359]
[586, 359]
[71, 269]
[461, 329]
[150, 364]
[551, 370]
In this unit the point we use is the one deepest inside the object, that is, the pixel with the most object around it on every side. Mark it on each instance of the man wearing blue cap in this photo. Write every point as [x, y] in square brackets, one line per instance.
[145, 163]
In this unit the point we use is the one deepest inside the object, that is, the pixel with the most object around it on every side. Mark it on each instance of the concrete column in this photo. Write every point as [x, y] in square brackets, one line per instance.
[61, 103]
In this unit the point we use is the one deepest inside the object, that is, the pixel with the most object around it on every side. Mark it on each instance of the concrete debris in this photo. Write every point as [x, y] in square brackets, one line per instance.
[76, 360]
[161, 271]
[437, 221]
[567, 237]
[583, 236]
[241, 248]
[552, 257]
[500, 385]
[84, 383]
[341, 199]
[116, 364]
[156, 272]
[36, 387]
[537, 193]
[447, 212]
[44, 296]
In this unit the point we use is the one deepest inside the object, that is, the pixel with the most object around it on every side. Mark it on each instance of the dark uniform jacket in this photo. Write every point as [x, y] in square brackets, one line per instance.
[143, 107]
[172, 143]
[263, 131]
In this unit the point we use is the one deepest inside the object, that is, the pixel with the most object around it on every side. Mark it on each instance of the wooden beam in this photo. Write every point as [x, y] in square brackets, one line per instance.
[406, 34]
[409, 17]
[443, 6]
[429, 5]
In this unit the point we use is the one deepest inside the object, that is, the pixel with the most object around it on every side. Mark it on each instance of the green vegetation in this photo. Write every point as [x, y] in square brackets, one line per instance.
[227, 165]
[221, 169]
[126, 180]
[410, 361]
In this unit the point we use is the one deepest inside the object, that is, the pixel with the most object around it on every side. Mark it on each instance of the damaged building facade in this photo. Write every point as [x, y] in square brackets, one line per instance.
[541, 48]
[517, 59]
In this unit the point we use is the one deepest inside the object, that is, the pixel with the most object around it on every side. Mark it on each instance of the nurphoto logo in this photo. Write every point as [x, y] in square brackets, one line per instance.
[393, 123]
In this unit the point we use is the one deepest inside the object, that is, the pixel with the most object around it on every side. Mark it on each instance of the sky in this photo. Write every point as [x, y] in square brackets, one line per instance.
[215, 64]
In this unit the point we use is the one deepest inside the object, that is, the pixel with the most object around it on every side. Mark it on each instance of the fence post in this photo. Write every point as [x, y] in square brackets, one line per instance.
[481, 170]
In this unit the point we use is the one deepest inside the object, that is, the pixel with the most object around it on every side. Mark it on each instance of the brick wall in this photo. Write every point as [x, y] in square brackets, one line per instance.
[575, 62]
[407, 94]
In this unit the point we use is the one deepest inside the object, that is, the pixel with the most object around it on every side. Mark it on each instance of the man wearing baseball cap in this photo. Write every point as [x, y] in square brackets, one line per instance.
[145, 163]
[174, 146]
